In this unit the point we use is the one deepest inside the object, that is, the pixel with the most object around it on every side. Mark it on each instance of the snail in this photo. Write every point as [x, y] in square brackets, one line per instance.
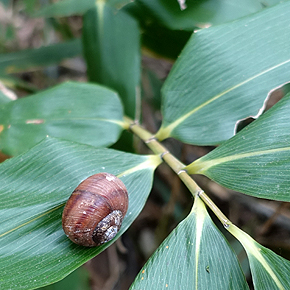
[95, 210]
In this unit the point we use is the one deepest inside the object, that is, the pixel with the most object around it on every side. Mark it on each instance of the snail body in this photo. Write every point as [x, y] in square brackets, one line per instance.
[95, 210]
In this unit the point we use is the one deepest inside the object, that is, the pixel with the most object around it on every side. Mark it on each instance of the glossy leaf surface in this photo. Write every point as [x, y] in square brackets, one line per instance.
[84, 113]
[34, 250]
[112, 52]
[224, 75]
[257, 160]
[194, 256]
[269, 271]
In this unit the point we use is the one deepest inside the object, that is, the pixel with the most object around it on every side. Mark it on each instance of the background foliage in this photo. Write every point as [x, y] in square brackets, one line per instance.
[227, 59]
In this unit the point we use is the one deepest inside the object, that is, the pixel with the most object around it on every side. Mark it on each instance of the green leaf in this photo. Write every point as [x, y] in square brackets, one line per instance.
[200, 13]
[34, 58]
[65, 8]
[3, 98]
[74, 7]
[80, 112]
[34, 250]
[224, 75]
[269, 270]
[256, 161]
[112, 52]
[194, 256]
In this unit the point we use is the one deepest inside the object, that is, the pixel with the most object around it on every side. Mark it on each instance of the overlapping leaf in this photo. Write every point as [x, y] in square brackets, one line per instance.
[200, 13]
[80, 112]
[194, 256]
[224, 74]
[155, 36]
[65, 8]
[269, 271]
[112, 52]
[256, 161]
[73, 7]
[34, 58]
[34, 250]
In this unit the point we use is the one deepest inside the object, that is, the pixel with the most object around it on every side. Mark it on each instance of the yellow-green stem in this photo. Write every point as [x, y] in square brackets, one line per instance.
[224, 220]
[157, 147]
[176, 166]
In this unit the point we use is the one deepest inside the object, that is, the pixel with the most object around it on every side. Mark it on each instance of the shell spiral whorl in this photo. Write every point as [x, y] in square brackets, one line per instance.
[94, 212]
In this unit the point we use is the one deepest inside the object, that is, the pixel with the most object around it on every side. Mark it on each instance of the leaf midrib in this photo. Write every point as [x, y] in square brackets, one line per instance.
[200, 167]
[165, 132]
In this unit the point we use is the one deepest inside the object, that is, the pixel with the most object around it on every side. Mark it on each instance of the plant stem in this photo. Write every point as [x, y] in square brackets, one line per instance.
[157, 147]
[177, 166]
[224, 220]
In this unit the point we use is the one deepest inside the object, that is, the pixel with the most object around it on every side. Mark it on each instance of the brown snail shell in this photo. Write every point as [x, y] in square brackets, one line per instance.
[94, 212]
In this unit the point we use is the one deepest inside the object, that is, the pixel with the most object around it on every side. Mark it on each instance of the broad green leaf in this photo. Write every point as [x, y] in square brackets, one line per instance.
[80, 112]
[269, 271]
[112, 52]
[3, 98]
[65, 8]
[194, 256]
[200, 13]
[257, 160]
[224, 75]
[73, 7]
[34, 251]
[34, 58]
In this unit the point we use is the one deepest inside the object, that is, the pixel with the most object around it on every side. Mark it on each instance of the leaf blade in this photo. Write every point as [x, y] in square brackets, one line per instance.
[192, 250]
[34, 58]
[256, 160]
[65, 8]
[222, 67]
[111, 43]
[73, 7]
[33, 245]
[75, 111]
[269, 270]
